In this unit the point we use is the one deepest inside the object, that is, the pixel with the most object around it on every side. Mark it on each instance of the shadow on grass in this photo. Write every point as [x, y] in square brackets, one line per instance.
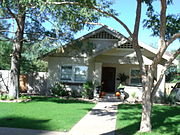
[58, 100]
[164, 119]
[19, 122]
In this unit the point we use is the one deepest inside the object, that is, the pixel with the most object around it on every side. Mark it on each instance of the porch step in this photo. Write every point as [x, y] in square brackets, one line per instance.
[110, 97]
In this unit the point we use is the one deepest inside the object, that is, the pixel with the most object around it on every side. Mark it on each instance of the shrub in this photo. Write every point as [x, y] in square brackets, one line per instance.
[5, 97]
[59, 89]
[75, 94]
[87, 90]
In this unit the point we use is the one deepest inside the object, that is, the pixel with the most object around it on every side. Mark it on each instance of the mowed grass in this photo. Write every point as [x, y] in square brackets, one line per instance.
[45, 113]
[165, 120]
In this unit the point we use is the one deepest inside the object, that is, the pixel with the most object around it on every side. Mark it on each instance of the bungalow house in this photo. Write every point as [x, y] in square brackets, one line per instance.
[99, 57]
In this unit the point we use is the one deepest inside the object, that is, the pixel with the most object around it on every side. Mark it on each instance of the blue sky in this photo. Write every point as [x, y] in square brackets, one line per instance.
[126, 10]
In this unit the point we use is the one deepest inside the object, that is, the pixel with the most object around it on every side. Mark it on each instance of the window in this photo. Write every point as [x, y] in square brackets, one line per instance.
[135, 77]
[80, 73]
[74, 73]
[66, 73]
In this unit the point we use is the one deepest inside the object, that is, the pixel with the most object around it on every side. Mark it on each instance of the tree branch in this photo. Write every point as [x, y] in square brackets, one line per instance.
[4, 18]
[163, 71]
[135, 36]
[163, 19]
[7, 31]
[14, 16]
[95, 8]
[174, 37]
[162, 43]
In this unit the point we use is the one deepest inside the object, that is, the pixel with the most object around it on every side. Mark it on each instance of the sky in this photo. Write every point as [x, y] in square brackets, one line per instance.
[127, 10]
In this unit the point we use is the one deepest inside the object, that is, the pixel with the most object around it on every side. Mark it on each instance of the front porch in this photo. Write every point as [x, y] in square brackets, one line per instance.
[105, 75]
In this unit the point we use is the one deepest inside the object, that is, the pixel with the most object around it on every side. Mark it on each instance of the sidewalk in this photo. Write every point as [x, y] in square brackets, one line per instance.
[100, 121]
[20, 131]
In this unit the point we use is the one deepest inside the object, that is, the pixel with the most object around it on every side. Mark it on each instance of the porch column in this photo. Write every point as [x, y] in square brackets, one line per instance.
[97, 77]
[161, 89]
[97, 74]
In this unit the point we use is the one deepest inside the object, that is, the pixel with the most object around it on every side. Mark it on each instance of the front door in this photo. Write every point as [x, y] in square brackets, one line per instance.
[108, 79]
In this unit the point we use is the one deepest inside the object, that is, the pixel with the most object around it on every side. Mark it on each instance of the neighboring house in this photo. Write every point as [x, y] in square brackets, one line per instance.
[99, 57]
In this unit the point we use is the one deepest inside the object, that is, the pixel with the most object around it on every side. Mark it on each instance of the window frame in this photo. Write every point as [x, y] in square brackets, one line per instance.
[73, 74]
[130, 82]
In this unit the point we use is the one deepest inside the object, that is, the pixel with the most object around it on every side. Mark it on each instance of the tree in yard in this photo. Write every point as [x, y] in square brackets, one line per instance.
[84, 6]
[25, 21]
[167, 34]
[5, 51]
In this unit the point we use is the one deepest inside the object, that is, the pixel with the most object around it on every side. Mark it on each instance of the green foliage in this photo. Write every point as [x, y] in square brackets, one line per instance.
[88, 89]
[25, 97]
[122, 77]
[133, 94]
[59, 89]
[153, 21]
[172, 74]
[29, 59]
[5, 96]
[5, 52]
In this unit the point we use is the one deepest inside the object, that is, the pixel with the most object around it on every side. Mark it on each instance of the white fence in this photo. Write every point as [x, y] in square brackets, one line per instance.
[34, 83]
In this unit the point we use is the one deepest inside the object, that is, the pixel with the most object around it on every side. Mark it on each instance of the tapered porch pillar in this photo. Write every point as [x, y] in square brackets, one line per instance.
[97, 73]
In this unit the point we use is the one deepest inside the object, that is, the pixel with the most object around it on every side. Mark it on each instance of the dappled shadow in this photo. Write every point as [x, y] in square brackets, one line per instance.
[19, 122]
[163, 119]
[58, 100]
[109, 110]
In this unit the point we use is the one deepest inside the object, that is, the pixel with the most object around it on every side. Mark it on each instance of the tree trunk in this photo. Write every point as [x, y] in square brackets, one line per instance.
[16, 56]
[15, 69]
[146, 111]
[147, 103]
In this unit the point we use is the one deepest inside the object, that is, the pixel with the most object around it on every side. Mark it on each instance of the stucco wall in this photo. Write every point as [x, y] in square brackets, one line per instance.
[54, 68]
[36, 83]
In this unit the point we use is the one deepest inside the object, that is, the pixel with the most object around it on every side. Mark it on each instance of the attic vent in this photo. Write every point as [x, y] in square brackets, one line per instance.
[127, 46]
[103, 35]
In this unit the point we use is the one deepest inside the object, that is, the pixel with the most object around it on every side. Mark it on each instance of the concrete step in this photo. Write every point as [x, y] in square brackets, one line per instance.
[109, 97]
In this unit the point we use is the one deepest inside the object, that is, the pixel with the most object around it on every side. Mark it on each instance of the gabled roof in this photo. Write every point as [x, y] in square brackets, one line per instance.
[115, 35]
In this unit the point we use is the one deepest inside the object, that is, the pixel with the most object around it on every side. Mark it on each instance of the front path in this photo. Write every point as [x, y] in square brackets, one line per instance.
[100, 121]
[21, 131]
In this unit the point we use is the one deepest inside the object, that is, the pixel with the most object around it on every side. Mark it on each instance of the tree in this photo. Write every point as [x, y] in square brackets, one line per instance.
[165, 40]
[5, 59]
[29, 17]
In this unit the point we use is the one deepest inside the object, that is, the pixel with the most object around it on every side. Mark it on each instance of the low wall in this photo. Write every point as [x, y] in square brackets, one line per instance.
[33, 83]
[132, 90]
[168, 87]
[4, 80]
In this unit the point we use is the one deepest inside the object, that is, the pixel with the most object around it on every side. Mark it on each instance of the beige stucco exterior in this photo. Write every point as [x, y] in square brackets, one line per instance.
[105, 53]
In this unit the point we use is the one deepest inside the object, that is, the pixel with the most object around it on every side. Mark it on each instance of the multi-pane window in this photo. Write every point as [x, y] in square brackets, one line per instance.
[74, 73]
[135, 77]
[80, 73]
[66, 73]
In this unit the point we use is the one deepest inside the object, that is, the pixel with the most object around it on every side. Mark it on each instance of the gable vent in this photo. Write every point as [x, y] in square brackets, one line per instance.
[127, 46]
[103, 35]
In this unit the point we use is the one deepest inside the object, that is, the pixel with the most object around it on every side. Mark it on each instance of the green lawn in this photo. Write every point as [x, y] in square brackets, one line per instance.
[165, 120]
[43, 113]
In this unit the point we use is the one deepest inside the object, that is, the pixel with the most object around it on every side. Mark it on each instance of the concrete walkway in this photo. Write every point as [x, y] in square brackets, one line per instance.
[100, 121]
